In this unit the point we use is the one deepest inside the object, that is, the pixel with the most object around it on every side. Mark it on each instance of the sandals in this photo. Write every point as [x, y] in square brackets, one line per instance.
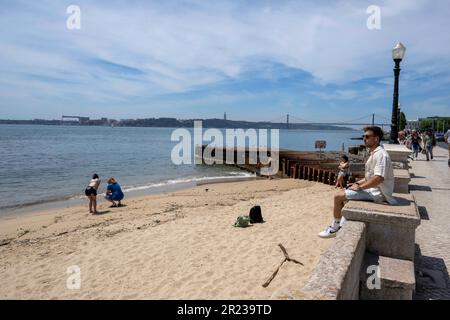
[116, 205]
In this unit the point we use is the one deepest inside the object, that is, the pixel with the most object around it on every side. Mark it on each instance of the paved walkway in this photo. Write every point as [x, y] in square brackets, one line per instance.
[430, 185]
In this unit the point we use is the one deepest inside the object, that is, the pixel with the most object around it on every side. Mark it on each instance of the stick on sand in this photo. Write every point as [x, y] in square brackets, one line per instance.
[286, 258]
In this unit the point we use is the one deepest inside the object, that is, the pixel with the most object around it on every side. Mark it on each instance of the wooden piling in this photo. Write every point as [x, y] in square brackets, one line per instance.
[320, 177]
[332, 177]
[310, 173]
[297, 170]
[326, 177]
[304, 165]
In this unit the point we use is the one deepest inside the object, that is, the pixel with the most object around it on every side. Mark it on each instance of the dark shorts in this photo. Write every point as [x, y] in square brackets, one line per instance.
[90, 191]
[113, 197]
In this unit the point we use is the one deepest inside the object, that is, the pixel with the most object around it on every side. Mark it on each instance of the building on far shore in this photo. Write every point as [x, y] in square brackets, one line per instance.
[437, 123]
[412, 124]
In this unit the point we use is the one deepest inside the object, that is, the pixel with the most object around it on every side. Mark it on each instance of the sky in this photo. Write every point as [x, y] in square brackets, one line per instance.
[254, 60]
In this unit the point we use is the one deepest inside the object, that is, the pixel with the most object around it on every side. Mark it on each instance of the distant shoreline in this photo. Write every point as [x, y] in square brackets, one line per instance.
[175, 123]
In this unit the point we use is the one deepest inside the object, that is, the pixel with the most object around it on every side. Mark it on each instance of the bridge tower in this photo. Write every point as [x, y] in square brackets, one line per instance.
[287, 121]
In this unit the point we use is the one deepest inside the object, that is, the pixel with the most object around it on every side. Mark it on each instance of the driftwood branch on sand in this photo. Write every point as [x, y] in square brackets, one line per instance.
[286, 258]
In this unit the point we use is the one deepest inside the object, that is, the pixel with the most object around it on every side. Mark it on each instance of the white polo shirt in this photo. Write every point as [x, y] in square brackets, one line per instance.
[380, 164]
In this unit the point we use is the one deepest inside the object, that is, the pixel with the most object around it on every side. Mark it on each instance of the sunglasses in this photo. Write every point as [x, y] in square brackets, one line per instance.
[367, 136]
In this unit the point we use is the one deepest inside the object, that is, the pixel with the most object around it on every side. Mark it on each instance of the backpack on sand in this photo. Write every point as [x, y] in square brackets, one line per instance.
[255, 215]
[242, 221]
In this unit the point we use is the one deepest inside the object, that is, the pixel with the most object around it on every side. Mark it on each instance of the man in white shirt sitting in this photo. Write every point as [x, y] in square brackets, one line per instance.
[377, 185]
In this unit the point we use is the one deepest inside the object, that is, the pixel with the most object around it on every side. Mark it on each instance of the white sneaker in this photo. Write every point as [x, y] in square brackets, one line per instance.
[329, 233]
[342, 222]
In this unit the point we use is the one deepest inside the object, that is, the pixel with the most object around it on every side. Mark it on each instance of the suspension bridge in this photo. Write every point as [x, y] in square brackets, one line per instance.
[370, 119]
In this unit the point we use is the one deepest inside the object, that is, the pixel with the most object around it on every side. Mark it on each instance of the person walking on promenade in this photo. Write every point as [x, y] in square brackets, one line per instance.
[415, 144]
[428, 144]
[114, 192]
[377, 185]
[402, 138]
[91, 193]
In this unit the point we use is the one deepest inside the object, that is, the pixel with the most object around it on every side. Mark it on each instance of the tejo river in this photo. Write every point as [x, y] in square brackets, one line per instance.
[40, 164]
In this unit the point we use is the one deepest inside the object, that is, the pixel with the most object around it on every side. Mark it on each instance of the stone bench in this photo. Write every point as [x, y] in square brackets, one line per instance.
[398, 154]
[394, 279]
[390, 228]
[401, 165]
[342, 270]
[401, 180]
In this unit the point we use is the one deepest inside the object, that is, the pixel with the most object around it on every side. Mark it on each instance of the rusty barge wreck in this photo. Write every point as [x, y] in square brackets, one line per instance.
[307, 165]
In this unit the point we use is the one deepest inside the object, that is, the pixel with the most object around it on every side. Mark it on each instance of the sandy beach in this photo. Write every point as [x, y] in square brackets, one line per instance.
[178, 245]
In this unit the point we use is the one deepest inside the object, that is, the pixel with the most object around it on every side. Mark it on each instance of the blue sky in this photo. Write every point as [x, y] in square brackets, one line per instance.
[255, 60]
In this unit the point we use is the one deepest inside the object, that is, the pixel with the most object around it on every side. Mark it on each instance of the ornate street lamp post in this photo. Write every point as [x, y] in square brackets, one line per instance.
[398, 52]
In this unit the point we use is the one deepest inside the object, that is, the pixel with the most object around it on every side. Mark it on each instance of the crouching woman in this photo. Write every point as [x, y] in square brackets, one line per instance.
[114, 193]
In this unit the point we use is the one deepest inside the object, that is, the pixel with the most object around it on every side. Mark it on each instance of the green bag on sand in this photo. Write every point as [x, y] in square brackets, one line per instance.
[242, 221]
